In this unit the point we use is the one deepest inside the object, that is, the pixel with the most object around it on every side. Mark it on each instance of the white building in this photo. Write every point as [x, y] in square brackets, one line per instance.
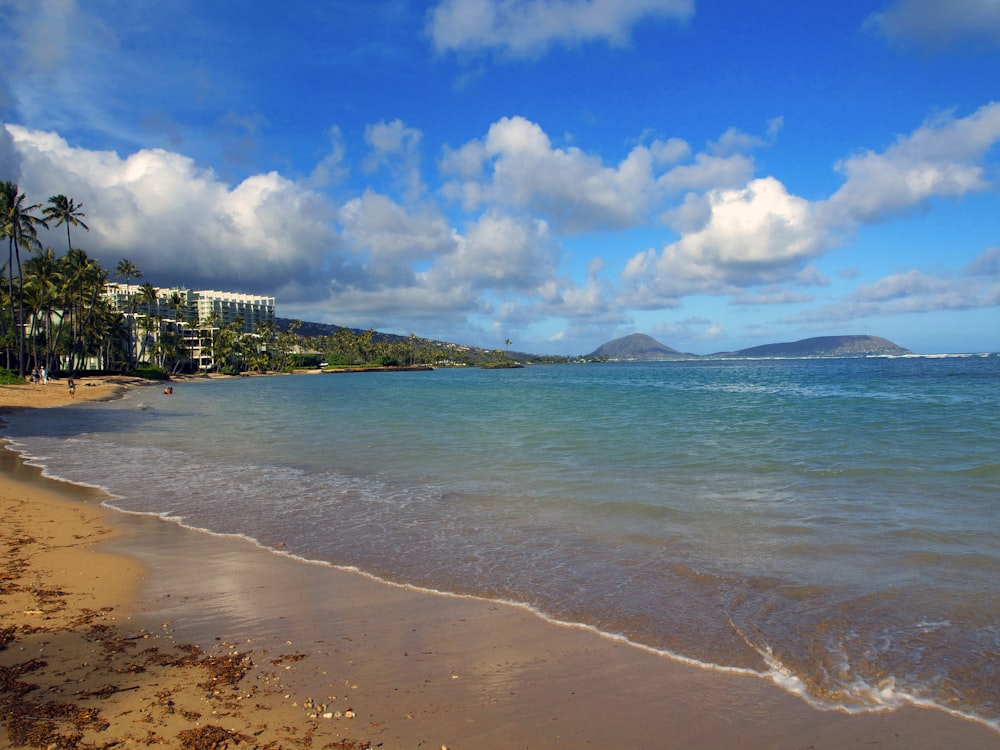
[196, 308]
[198, 314]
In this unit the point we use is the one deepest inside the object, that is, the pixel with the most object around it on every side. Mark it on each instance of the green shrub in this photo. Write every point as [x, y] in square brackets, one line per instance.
[149, 372]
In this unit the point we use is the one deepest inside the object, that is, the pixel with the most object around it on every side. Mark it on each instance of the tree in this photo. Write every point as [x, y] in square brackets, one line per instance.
[266, 332]
[63, 210]
[147, 298]
[283, 344]
[231, 348]
[17, 224]
[42, 280]
[127, 270]
[83, 282]
[207, 327]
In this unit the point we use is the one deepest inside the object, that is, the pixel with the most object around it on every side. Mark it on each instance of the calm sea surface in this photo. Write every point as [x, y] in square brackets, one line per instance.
[832, 523]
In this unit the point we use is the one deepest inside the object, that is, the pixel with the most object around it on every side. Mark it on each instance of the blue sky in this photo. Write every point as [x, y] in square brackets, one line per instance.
[557, 172]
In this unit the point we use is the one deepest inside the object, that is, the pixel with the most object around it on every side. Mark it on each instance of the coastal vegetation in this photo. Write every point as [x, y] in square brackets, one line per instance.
[55, 314]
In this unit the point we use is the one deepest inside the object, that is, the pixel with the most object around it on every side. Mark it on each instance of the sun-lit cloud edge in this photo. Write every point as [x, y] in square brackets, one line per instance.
[411, 259]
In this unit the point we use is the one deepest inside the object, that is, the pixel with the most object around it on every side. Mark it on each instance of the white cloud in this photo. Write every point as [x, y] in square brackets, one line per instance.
[390, 239]
[526, 28]
[516, 165]
[986, 264]
[178, 222]
[670, 151]
[736, 237]
[501, 253]
[708, 172]
[942, 158]
[396, 147]
[498, 258]
[371, 260]
[331, 168]
[735, 139]
[908, 292]
[754, 235]
[934, 25]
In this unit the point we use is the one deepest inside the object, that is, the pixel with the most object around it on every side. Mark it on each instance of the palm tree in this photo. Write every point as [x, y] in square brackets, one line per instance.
[42, 277]
[148, 299]
[507, 343]
[17, 224]
[413, 349]
[127, 270]
[63, 210]
[83, 284]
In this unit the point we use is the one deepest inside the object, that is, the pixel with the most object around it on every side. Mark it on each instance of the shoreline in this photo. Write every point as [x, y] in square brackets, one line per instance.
[420, 668]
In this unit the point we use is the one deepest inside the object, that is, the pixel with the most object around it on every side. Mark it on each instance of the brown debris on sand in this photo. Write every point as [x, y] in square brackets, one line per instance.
[74, 675]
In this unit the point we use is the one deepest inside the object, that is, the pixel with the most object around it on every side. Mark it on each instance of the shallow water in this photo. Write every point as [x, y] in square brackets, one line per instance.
[831, 522]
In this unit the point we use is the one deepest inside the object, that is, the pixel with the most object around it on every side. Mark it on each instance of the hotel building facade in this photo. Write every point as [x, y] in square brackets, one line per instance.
[197, 314]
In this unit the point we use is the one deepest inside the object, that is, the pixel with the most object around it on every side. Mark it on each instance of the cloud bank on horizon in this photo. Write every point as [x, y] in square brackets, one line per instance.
[556, 172]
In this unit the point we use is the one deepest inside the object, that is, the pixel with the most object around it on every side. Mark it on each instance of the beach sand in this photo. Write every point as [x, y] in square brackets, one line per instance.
[121, 630]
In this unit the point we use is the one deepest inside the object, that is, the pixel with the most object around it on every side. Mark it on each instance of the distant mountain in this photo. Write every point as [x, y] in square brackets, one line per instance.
[640, 347]
[637, 346]
[823, 346]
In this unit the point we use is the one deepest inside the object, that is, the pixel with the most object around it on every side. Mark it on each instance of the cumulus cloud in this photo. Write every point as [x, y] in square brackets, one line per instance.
[179, 222]
[391, 239]
[379, 257]
[371, 260]
[526, 28]
[934, 25]
[502, 253]
[708, 172]
[739, 236]
[754, 235]
[516, 165]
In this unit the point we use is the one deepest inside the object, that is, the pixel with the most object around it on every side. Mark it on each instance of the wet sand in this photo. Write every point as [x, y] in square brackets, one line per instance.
[252, 643]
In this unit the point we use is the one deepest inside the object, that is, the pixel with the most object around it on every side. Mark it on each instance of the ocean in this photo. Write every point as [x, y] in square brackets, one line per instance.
[833, 524]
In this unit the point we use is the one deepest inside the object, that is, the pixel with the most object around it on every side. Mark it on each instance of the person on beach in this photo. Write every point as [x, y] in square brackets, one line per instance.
[44, 375]
[72, 386]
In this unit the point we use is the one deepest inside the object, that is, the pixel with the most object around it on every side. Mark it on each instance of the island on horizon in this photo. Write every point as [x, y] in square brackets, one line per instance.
[644, 348]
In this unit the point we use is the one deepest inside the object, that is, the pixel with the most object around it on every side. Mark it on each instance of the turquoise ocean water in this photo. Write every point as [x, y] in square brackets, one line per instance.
[833, 524]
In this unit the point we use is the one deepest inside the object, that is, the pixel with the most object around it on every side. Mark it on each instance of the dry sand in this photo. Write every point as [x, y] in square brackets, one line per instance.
[121, 631]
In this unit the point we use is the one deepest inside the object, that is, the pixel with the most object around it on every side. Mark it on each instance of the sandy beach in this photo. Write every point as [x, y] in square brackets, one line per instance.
[123, 630]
